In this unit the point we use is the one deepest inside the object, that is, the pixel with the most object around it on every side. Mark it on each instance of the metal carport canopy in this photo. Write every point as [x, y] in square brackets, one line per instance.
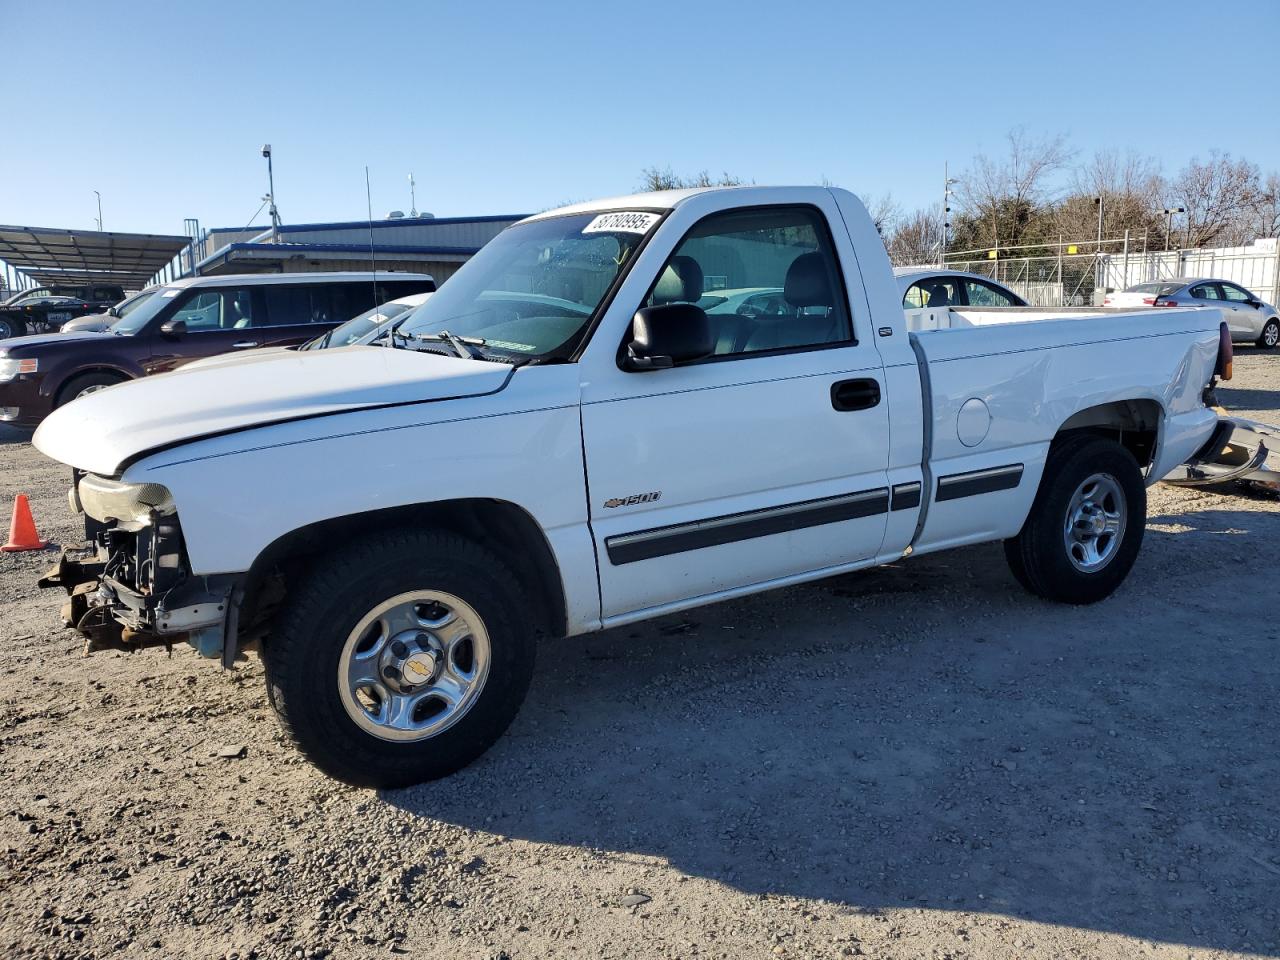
[52, 256]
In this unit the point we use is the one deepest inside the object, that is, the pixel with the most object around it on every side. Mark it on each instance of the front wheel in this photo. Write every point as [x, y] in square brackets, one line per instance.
[400, 659]
[1270, 335]
[11, 327]
[86, 384]
[1082, 536]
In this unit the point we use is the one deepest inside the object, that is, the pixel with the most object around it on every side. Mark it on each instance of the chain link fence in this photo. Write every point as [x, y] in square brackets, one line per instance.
[1068, 274]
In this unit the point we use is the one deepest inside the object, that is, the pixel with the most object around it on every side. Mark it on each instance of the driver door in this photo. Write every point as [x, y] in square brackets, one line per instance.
[218, 320]
[762, 461]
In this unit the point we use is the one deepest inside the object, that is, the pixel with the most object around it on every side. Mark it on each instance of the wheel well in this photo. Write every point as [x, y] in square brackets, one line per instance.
[509, 529]
[60, 395]
[1134, 424]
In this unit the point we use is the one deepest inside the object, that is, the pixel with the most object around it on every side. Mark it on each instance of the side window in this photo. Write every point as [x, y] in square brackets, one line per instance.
[221, 309]
[984, 295]
[777, 284]
[1233, 293]
[1206, 291]
[352, 299]
[933, 292]
[288, 306]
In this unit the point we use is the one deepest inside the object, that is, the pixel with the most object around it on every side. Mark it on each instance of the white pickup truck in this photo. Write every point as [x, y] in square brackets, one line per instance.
[615, 411]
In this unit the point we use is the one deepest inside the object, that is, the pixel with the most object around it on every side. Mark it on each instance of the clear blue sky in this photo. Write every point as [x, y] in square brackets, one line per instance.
[514, 107]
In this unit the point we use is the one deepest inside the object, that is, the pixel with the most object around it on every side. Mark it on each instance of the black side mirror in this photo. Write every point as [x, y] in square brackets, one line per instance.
[663, 336]
[173, 328]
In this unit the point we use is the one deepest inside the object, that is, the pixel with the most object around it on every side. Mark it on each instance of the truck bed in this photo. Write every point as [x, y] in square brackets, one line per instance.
[998, 385]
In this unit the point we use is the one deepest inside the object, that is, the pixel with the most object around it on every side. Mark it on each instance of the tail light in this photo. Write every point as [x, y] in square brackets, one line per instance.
[1149, 301]
[1166, 303]
[1106, 301]
[1226, 352]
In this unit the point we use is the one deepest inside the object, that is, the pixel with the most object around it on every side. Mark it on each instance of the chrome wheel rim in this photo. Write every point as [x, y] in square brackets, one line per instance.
[1095, 524]
[414, 665]
[5, 330]
[92, 388]
[1271, 335]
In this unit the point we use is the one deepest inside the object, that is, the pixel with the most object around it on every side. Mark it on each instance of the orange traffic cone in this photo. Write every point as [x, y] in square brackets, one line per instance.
[22, 528]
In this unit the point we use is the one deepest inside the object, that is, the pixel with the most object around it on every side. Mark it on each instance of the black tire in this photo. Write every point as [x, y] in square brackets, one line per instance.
[303, 654]
[1270, 335]
[77, 385]
[11, 327]
[1040, 556]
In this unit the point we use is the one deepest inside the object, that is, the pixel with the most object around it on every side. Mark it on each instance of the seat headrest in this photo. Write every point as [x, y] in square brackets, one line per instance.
[808, 283]
[938, 295]
[681, 282]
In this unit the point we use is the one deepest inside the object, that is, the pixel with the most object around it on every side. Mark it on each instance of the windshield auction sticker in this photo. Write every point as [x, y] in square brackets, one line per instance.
[622, 222]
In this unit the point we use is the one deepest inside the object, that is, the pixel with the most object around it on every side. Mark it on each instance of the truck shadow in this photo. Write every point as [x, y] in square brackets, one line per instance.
[10, 434]
[928, 736]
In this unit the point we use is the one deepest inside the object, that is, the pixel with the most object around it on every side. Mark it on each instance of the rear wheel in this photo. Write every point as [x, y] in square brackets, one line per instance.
[400, 659]
[1270, 335]
[11, 327]
[1085, 528]
[86, 384]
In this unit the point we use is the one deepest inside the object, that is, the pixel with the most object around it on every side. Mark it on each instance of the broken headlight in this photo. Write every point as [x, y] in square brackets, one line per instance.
[106, 500]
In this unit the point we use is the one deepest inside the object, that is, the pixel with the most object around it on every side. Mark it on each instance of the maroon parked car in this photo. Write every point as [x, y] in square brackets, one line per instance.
[186, 320]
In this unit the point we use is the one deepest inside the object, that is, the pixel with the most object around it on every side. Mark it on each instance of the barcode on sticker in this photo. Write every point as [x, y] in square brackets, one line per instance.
[622, 222]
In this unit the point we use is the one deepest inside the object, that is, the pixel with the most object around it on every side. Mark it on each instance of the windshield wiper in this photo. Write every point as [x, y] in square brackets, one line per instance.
[461, 345]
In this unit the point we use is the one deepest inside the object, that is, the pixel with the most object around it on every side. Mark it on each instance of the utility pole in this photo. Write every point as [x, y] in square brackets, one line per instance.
[99, 196]
[947, 181]
[271, 195]
[413, 198]
[1168, 224]
[1101, 203]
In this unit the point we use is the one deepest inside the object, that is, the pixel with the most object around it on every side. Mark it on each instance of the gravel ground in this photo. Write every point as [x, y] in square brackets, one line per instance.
[919, 761]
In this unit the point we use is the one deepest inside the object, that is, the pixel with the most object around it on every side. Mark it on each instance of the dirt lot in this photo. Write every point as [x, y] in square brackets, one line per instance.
[920, 761]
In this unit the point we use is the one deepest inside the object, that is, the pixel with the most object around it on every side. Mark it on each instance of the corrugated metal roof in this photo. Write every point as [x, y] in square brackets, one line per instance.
[54, 256]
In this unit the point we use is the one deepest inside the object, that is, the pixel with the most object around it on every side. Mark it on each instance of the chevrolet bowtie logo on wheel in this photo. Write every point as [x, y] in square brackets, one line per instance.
[635, 498]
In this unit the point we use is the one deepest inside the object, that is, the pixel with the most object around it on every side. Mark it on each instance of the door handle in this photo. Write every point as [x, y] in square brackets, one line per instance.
[244, 344]
[855, 394]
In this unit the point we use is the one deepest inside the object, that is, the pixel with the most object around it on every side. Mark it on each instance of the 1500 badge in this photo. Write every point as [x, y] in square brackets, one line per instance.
[635, 498]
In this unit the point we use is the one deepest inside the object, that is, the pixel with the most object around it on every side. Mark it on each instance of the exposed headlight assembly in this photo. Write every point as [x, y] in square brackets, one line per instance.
[10, 367]
[105, 499]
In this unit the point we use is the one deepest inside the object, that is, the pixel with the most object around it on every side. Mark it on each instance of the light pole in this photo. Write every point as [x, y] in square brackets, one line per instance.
[99, 196]
[1101, 204]
[413, 198]
[1168, 224]
[271, 195]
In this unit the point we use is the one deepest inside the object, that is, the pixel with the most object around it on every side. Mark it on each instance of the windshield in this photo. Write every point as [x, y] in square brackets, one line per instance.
[136, 317]
[33, 294]
[361, 327]
[532, 290]
[133, 303]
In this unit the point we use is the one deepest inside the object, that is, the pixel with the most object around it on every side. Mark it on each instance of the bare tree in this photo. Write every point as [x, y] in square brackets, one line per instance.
[1006, 198]
[1130, 187]
[663, 178]
[915, 239]
[1219, 195]
[884, 213]
[1266, 208]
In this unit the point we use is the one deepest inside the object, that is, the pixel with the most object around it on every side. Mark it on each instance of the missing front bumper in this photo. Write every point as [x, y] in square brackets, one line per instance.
[113, 616]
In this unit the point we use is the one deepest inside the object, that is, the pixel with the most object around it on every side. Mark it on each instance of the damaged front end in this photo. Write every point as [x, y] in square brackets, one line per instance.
[129, 586]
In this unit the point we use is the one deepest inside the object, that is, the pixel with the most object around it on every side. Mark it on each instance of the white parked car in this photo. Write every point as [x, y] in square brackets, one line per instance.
[935, 287]
[1248, 317]
[562, 440]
